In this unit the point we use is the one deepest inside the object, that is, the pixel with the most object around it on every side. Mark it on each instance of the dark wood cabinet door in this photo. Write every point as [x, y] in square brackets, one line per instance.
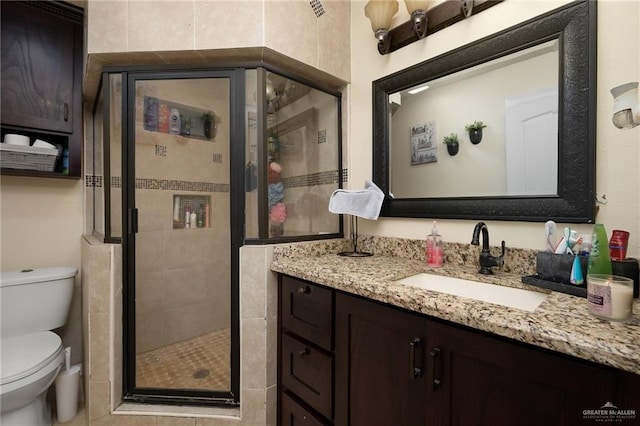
[485, 380]
[307, 310]
[294, 414]
[380, 363]
[37, 68]
[308, 372]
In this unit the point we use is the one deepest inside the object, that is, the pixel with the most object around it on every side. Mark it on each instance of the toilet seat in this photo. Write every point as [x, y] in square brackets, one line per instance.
[23, 356]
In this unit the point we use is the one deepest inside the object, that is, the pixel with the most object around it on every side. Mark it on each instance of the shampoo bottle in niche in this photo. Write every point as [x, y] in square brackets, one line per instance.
[435, 248]
[599, 259]
[175, 124]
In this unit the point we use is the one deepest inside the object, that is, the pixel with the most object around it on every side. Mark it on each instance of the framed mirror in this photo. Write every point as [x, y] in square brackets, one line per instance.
[536, 165]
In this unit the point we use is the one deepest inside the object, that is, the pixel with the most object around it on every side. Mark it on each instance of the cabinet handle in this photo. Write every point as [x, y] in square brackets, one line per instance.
[414, 372]
[303, 352]
[304, 290]
[435, 355]
[66, 111]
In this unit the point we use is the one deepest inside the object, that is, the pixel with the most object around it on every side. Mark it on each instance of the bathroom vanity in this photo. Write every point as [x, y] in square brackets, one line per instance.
[356, 347]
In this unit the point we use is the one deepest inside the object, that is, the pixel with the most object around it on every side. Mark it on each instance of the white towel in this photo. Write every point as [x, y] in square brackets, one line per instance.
[365, 203]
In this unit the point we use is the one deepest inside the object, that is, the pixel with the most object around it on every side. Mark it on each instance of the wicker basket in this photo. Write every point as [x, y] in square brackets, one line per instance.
[27, 157]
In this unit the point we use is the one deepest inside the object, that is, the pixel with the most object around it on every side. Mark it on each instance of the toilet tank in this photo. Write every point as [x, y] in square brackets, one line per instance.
[35, 300]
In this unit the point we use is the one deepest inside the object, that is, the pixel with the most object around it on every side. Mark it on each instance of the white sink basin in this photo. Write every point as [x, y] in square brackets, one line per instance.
[506, 296]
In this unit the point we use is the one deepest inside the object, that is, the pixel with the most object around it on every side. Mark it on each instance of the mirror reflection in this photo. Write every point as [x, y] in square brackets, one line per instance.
[515, 96]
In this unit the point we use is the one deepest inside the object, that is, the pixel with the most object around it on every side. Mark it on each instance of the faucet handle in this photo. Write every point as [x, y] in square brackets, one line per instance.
[500, 259]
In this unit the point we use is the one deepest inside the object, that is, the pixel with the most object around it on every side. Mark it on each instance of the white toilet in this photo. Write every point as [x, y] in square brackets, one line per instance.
[33, 302]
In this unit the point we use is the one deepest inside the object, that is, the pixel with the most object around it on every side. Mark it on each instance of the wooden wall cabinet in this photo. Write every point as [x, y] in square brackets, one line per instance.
[394, 367]
[41, 78]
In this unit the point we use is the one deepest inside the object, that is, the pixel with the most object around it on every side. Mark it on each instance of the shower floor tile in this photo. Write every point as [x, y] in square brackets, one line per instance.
[201, 363]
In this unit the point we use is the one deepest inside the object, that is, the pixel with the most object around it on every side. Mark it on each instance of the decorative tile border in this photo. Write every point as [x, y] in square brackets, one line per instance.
[160, 184]
[321, 178]
[180, 185]
[92, 181]
[317, 7]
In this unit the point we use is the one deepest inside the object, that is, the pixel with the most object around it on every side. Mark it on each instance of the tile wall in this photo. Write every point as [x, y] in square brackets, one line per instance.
[313, 42]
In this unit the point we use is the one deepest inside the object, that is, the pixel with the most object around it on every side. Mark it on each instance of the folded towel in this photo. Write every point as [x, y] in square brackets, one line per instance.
[365, 203]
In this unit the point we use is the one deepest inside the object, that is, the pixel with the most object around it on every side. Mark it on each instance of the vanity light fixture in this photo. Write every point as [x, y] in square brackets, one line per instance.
[380, 13]
[418, 11]
[438, 17]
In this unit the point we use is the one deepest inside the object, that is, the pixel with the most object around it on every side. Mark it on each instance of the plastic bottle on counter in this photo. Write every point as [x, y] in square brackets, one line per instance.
[599, 259]
[435, 248]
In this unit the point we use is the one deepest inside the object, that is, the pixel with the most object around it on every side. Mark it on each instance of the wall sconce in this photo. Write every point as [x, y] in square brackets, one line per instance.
[380, 13]
[626, 106]
[418, 11]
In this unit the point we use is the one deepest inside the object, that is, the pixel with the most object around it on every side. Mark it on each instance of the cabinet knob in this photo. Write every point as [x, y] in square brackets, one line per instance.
[304, 290]
[66, 111]
[303, 352]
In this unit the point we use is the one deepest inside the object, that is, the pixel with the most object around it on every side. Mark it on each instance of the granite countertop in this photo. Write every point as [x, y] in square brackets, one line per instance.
[561, 323]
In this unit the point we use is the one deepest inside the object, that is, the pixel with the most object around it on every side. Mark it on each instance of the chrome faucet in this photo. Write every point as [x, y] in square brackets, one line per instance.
[486, 260]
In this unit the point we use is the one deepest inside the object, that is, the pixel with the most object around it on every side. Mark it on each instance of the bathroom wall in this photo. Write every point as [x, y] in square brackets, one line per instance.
[41, 226]
[618, 151]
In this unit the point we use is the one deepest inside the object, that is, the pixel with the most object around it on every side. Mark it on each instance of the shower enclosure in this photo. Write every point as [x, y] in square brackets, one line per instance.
[188, 166]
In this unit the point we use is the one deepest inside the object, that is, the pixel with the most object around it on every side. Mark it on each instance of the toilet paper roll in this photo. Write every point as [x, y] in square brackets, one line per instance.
[67, 386]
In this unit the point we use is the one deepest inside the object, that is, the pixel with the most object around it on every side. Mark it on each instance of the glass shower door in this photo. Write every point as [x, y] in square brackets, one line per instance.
[183, 310]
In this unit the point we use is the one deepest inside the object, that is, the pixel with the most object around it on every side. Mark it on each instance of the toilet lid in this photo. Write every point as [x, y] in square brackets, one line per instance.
[24, 355]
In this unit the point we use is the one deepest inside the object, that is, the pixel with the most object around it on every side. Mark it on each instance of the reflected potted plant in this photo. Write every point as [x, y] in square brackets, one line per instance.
[210, 124]
[475, 131]
[453, 145]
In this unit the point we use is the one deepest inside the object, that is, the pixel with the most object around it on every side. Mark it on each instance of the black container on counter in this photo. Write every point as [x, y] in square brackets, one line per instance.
[553, 271]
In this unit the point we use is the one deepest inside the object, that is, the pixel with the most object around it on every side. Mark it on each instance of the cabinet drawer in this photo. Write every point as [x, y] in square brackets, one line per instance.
[308, 373]
[307, 311]
[293, 414]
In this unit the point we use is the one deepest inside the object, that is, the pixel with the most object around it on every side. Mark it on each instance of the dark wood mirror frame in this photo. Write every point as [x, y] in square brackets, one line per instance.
[574, 25]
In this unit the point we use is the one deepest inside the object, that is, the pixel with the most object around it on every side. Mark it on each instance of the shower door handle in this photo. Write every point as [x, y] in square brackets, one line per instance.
[133, 221]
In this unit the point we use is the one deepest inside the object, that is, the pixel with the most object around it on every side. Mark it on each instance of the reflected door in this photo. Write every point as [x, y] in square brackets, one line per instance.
[179, 144]
[532, 152]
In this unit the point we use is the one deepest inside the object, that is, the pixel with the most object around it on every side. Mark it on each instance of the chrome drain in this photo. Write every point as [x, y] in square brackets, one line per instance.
[201, 373]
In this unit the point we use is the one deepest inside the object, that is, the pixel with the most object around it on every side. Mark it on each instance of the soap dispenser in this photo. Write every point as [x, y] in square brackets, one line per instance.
[435, 248]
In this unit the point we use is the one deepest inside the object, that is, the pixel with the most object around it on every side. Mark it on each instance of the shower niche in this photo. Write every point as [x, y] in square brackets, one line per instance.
[191, 211]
